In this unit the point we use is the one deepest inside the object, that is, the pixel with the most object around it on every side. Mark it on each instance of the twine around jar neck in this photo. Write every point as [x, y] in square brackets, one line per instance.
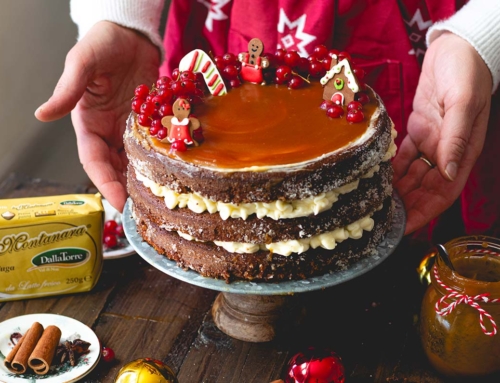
[458, 298]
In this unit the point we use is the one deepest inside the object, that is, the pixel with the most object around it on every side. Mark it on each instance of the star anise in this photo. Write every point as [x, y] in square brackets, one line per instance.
[70, 350]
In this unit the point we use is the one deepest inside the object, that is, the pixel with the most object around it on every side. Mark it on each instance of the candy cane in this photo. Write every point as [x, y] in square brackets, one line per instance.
[198, 61]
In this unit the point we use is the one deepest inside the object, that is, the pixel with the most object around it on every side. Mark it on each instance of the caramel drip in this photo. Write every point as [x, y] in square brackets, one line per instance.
[256, 125]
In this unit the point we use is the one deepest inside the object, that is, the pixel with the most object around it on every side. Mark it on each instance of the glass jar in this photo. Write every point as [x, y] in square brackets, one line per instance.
[461, 309]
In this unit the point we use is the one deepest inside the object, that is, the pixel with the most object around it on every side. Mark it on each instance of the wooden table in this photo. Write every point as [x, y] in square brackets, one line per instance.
[371, 322]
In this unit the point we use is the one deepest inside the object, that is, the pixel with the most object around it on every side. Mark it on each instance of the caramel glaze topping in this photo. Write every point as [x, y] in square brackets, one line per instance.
[256, 125]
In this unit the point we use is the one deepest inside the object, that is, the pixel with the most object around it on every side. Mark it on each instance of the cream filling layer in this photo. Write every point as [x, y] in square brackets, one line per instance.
[327, 240]
[275, 210]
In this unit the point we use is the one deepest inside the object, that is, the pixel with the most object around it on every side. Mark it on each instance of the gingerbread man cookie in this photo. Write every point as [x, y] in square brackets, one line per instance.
[252, 62]
[180, 126]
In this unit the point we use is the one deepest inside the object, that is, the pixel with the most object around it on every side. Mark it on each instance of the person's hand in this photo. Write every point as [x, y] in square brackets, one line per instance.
[97, 86]
[447, 127]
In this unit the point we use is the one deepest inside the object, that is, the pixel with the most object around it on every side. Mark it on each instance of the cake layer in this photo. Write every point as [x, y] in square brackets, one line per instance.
[349, 207]
[213, 261]
[292, 181]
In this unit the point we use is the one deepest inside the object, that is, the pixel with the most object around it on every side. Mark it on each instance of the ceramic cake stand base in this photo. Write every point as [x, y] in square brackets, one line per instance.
[259, 311]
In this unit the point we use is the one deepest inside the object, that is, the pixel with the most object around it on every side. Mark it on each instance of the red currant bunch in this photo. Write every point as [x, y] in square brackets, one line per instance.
[151, 105]
[288, 68]
[113, 231]
[229, 67]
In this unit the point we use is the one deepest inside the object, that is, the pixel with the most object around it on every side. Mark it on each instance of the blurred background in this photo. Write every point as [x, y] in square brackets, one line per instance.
[34, 39]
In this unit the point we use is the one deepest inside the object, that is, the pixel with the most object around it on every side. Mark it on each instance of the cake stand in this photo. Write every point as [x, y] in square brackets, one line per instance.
[257, 311]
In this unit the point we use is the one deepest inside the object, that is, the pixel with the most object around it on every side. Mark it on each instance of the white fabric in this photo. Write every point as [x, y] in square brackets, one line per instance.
[141, 15]
[478, 22]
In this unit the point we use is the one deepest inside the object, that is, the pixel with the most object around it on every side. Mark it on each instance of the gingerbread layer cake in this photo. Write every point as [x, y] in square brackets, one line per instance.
[276, 191]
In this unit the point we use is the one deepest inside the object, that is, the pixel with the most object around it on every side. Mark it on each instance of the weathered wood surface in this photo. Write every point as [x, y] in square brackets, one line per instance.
[371, 322]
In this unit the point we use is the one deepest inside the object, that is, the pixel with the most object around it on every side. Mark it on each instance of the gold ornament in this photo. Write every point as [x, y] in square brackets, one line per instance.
[146, 370]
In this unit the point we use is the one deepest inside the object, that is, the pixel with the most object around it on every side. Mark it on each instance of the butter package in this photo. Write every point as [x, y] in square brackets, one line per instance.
[50, 245]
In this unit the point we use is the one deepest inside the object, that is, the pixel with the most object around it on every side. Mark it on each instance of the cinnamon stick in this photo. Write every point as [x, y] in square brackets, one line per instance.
[42, 355]
[17, 360]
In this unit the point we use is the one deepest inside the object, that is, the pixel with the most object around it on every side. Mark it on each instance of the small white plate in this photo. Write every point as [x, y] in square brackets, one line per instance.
[70, 329]
[125, 249]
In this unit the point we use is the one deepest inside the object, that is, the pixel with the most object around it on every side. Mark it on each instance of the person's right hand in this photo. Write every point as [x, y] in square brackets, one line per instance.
[100, 74]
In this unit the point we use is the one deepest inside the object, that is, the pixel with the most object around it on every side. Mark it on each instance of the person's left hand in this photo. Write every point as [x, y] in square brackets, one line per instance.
[447, 126]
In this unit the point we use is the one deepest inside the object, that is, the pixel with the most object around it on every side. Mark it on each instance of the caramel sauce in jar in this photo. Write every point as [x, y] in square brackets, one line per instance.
[456, 344]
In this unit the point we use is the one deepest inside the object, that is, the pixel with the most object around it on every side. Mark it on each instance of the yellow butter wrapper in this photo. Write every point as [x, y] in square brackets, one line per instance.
[50, 245]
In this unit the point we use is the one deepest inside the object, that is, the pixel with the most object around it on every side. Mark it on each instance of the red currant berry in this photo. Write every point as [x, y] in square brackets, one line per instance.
[326, 104]
[176, 87]
[291, 59]
[303, 66]
[333, 53]
[110, 226]
[362, 98]
[147, 108]
[335, 111]
[108, 355]
[188, 75]
[119, 231]
[198, 135]
[230, 72]
[155, 127]
[157, 101]
[344, 55]
[163, 81]
[355, 105]
[235, 82]
[359, 73]
[320, 51]
[162, 133]
[144, 120]
[188, 87]
[141, 91]
[280, 56]
[327, 63]
[283, 73]
[166, 110]
[136, 105]
[110, 240]
[219, 62]
[355, 115]
[312, 59]
[295, 82]
[180, 146]
[175, 74]
[316, 69]
[166, 95]
[270, 57]
[229, 59]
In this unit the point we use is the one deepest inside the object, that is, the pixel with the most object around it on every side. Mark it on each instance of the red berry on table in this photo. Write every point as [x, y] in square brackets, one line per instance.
[110, 240]
[108, 355]
[280, 56]
[230, 72]
[316, 69]
[229, 59]
[291, 59]
[326, 104]
[155, 127]
[147, 108]
[141, 91]
[165, 110]
[335, 111]
[136, 105]
[119, 231]
[283, 73]
[110, 226]
[355, 105]
[355, 115]
[362, 98]
[320, 51]
[344, 55]
[295, 82]
[144, 120]
[162, 133]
